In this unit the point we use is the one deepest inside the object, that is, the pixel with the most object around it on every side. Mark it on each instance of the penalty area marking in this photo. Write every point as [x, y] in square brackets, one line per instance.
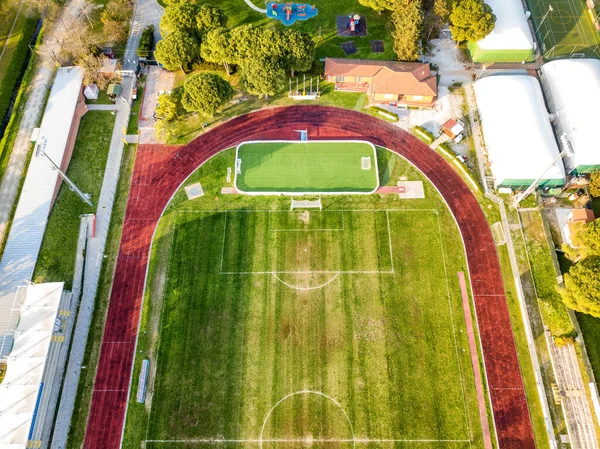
[305, 289]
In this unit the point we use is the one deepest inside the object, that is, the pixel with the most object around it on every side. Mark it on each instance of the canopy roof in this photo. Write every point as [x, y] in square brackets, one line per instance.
[25, 365]
[516, 129]
[572, 88]
[512, 29]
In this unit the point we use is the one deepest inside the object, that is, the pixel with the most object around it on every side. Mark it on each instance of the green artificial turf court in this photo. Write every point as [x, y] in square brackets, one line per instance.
[275, 329]
[566, 31]
[306, 167]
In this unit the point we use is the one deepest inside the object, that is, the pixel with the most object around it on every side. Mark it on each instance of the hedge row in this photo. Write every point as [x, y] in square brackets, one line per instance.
[146, 42]
[423, 134]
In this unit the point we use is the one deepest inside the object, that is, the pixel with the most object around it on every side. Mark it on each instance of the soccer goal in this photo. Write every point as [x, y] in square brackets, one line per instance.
[306, 204]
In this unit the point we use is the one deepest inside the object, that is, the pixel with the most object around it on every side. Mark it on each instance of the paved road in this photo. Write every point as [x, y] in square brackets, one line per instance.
[9, 188]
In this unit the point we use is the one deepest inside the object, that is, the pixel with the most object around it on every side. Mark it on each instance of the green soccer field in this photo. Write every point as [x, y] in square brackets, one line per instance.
[306, 167]
[271, 328]
[566, 31]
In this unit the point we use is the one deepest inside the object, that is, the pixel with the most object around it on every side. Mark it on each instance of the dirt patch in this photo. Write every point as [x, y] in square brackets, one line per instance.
[304, 217]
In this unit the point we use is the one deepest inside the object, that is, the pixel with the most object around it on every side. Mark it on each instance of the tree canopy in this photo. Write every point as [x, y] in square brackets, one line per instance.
[176, 50]
[167, 107]
[407, 18]
[582, 286]
[594, 185]
[263, 76]
[587, 241]
[208, 18]
[300, 49]
[471, 20]
[179, 17]
[217, 48]
[205, 93]
[378, 5]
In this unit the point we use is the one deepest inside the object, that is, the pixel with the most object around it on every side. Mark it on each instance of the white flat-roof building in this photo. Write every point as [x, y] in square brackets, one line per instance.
[572, 90]
[22, 389]
[517, 132]
[511, 40]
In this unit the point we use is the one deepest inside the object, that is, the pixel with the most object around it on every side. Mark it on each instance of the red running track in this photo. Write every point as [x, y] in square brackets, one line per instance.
[159, 171]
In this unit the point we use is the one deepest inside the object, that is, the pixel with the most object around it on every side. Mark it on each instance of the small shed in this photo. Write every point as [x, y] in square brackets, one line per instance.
[113, 91]
[453, 128]
[91, 92]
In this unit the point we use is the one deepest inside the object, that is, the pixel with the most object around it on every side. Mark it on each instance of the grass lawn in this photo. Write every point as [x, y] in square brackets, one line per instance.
[566, 30]
[57, 255]
[15, 55]
[364, 307]
[553, 310]
[303, 167]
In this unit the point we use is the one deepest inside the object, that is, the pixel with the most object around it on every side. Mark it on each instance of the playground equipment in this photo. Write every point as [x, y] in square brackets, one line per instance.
[304, 94]
[289, 12]
[353, 23]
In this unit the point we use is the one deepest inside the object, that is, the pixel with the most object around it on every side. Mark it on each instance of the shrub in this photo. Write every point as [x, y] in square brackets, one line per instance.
[423, 134]
[146, 42]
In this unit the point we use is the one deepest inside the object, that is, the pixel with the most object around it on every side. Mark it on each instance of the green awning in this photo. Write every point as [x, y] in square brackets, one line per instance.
[114, 89]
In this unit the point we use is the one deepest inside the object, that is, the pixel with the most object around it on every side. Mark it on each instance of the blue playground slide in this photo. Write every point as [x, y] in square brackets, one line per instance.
[288, 13]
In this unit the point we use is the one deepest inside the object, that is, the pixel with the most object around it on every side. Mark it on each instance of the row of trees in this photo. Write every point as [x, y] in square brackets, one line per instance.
[414, 21]
[581, 291]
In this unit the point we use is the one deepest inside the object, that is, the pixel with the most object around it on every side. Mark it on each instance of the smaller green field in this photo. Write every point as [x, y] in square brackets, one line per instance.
[294, 167]
[566, 30]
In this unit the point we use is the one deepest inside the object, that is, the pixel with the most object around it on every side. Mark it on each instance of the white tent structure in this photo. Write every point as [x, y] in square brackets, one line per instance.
[511, 40]
[572, 90]
[517, 132]
[22, 387]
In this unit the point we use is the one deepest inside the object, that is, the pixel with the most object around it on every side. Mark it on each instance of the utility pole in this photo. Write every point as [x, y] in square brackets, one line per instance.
[568, 151]
[41, 151]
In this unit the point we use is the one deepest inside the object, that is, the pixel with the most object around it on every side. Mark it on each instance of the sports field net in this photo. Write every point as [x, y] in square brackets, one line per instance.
[296, 167]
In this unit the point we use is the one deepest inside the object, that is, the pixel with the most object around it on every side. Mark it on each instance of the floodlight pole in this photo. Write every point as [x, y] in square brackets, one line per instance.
[42, 152]
[568, 151]
[550, 9]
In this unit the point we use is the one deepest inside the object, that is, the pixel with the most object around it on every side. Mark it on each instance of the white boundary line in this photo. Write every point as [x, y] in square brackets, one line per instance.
[464, 251]
[305, 289]
[298, 440]
[306, 142]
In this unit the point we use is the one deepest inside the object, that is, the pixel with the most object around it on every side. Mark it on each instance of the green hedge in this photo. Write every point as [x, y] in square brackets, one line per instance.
[385, 113]
[146, 42]
[423, 134]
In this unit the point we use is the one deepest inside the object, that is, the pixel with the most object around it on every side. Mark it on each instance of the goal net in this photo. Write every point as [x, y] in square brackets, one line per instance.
[306, 204]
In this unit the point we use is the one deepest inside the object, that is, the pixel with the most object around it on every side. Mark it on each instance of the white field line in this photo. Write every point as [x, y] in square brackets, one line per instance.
[580, 26]
[246, 273]
[10, 33]
[460, 374]
[318, 393]
[305, 289]
[223, 243]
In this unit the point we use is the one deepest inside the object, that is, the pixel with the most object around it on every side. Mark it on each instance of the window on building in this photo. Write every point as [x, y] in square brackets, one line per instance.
[389, 96]
[359, 79]
[340, 79]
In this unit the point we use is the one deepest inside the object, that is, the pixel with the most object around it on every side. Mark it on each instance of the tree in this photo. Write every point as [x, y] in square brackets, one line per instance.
[92, 65]
[442, 9]
[263, 76]
[594, 185]
[587, 240]
[471, 20]
[114, 30]
[300, 50]
[167, 107]
[176, 51]
[205, 93]
[582, 287]
[179, 17]
[216, 47]
[407, 18]
[378, 5]
[209, 18]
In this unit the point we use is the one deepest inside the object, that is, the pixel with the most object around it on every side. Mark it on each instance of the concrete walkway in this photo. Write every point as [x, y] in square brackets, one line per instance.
[440, 140]
[36, 100]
